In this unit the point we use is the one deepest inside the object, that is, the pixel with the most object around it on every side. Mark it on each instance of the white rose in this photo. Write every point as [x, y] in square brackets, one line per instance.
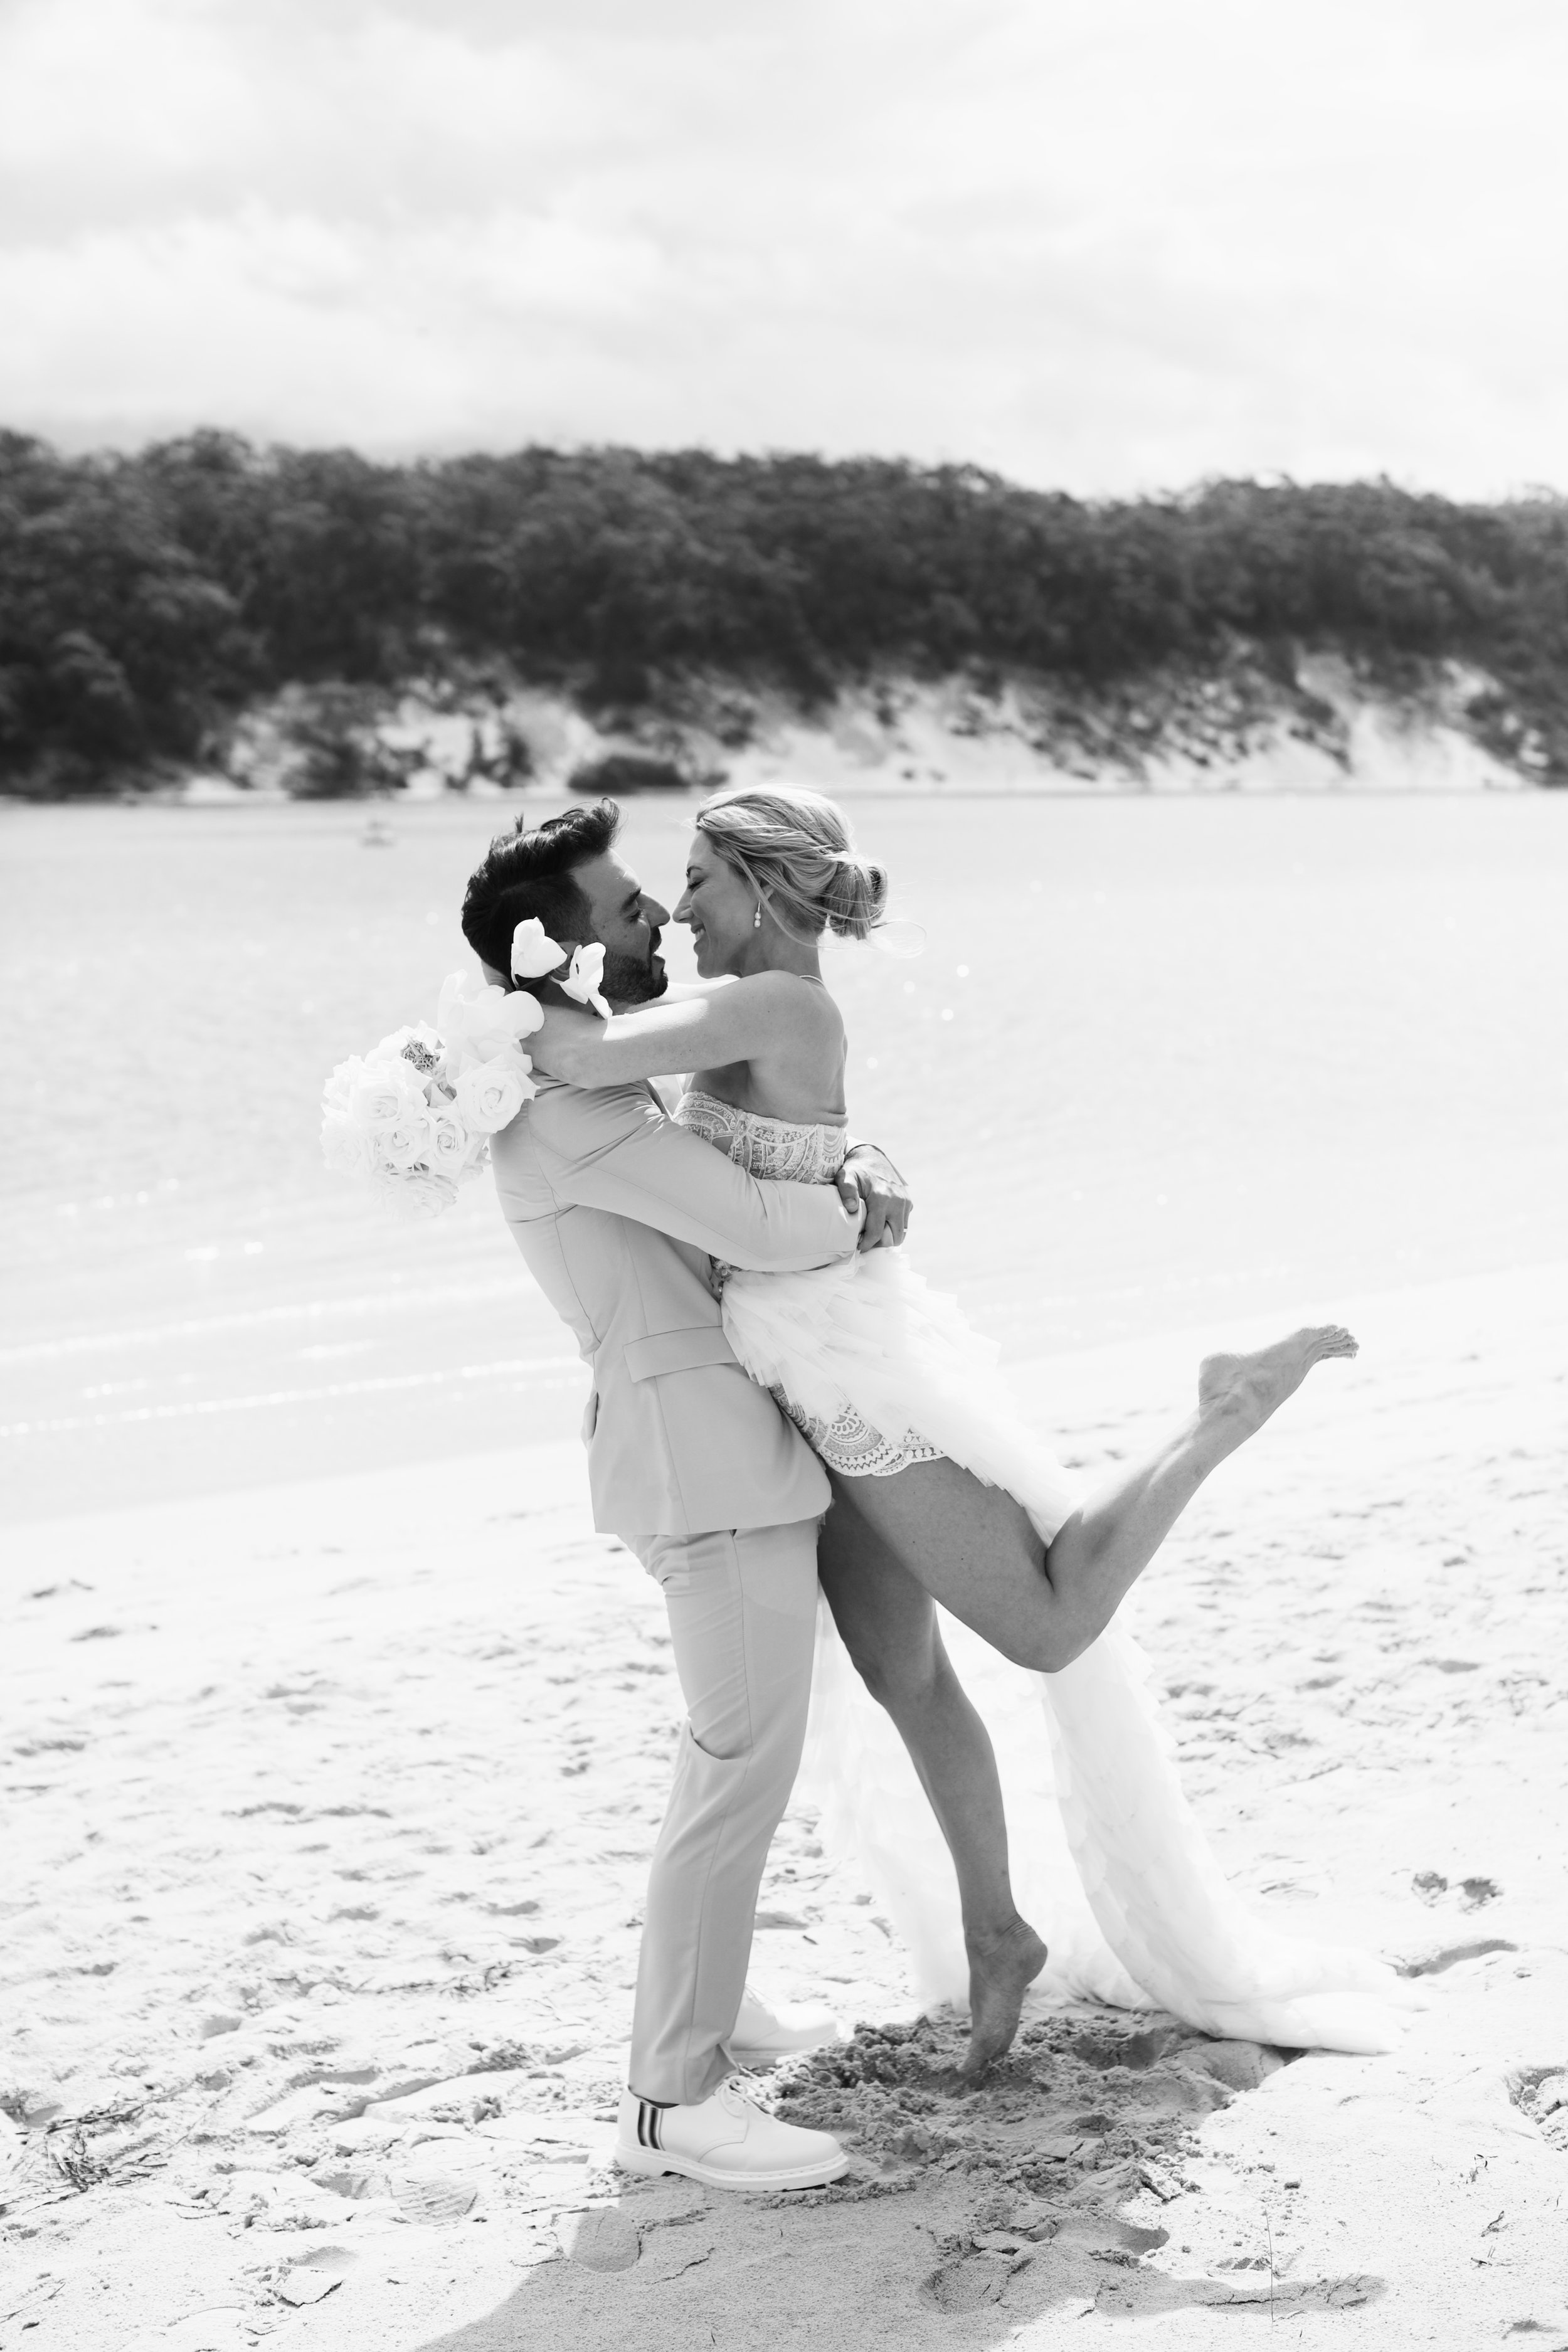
[384, 1098]
[490, 1094]
[345, 1147]
[417, 1195]
[406, 1144]
[335, 1093]
[534, 951]
[450, 1143]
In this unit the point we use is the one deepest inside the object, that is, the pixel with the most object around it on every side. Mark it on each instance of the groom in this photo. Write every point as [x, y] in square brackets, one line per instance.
[619, 1213]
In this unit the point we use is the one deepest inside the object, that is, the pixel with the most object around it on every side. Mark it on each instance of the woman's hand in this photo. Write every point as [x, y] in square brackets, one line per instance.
[561, 1045]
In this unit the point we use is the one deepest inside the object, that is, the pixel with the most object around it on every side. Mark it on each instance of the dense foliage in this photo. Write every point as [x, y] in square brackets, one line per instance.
[144, 598]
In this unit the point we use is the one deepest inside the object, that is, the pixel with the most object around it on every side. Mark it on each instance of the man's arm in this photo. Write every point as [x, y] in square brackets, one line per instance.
[613, 1148]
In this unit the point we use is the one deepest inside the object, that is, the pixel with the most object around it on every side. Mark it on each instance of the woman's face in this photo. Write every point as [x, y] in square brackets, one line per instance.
[720, 908]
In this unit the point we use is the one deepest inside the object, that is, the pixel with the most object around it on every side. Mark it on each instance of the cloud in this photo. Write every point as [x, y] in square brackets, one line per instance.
[1105, 244]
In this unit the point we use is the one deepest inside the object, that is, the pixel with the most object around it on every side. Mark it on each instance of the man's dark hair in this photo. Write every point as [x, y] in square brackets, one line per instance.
[531, 872]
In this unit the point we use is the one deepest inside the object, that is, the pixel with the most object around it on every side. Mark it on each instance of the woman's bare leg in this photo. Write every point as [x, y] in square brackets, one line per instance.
[976, 1549]
[889, 1626]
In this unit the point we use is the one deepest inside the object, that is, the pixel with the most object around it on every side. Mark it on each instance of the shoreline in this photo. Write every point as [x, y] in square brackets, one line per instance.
[550, 795]
[1185, 726]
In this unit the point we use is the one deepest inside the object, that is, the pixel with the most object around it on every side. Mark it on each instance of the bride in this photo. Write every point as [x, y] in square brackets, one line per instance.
[942, 1494]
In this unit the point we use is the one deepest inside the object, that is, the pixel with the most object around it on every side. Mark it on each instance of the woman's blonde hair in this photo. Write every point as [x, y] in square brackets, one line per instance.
[797, 852]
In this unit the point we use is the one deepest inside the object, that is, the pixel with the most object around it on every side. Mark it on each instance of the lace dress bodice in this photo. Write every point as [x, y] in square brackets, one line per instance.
[789, 1153]
[774, 1147]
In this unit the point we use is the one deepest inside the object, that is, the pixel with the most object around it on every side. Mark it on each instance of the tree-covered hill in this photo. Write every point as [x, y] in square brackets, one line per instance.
[145, 600]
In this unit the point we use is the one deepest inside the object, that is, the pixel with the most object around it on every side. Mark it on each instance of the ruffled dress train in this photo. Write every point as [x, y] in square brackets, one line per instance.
[1109, 1863]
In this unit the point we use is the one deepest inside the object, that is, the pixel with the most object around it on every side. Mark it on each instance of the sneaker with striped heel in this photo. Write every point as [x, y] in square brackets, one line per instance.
[726, 2141]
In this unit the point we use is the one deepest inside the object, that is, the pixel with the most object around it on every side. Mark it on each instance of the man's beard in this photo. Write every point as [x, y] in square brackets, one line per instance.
[626, 982]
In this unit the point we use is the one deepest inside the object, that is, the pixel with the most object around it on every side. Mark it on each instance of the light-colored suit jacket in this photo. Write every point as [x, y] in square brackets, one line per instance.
[619, 1212]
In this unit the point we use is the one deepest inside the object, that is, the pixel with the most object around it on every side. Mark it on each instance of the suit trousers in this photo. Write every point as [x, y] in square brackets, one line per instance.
[742, 1620]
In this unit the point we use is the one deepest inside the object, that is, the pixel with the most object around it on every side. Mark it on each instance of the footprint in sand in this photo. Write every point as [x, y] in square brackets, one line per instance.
[225, 2329]
[970, 2282]
[1436, 1963]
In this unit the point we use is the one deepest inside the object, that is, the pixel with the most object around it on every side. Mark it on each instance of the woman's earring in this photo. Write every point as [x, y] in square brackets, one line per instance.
[757, 918]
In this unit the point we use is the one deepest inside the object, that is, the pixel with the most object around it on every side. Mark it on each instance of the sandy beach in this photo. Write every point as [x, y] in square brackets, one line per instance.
[322, 1923]
[1109, 451]
[337, 1738]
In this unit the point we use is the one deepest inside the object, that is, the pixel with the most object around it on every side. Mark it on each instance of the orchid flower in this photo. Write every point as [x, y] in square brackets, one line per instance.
[535, 955]
[534, 951]
[586, 978]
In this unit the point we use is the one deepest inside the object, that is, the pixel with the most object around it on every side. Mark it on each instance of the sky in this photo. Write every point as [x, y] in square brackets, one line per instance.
[1109, 245]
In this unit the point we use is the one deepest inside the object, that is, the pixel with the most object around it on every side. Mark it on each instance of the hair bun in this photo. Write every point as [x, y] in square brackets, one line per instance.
[797, 851]
[856, 901]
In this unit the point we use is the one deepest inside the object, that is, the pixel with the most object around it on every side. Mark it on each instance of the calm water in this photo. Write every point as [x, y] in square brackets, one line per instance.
[1162, 1062]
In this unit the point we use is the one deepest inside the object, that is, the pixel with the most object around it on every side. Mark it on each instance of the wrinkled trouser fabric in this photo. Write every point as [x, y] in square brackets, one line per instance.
[742, 1620]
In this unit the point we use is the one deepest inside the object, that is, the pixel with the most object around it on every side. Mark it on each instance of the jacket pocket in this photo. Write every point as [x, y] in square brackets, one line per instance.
[678, 1352]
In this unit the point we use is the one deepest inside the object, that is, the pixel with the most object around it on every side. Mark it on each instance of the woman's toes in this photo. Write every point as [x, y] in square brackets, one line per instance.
[999, 1976]
[1243, 1390]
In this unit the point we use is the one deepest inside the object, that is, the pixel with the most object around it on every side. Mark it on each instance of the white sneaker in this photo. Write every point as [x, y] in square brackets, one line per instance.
[726, 2142]
[762, 2034]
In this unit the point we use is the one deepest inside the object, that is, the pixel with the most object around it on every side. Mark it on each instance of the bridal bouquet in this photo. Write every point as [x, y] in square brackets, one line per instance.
[411, 1120]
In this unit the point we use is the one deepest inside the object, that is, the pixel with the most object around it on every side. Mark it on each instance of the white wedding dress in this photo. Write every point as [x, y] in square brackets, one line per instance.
[1109, 1861]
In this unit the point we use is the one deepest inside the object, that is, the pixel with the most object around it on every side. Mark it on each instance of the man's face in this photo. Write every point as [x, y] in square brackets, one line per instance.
[628, 922]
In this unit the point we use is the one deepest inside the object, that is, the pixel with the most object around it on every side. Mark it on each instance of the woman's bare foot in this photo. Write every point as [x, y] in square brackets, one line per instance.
[1238, 1394]
[1001, 1970]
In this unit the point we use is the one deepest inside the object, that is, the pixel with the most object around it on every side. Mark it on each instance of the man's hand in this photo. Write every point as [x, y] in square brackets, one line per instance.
[868, 1176]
